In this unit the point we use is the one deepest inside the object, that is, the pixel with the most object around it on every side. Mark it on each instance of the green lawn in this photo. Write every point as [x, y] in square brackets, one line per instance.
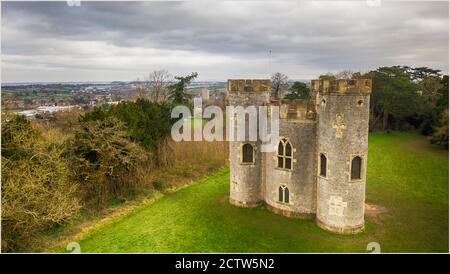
[406, 176]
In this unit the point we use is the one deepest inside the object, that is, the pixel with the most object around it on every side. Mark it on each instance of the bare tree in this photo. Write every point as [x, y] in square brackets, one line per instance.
[279, 84]
[327, 76]
[345, 74]
[157, 85]
[140, 90]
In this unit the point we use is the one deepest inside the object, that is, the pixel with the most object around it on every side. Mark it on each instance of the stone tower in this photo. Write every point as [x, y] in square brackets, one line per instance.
[319, 167]
[246, 174]
[342, 138]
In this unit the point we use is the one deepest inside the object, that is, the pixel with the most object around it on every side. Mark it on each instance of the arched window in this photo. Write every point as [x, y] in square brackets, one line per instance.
[280, 194]
[283, 194]
[285, 154]
[286, 195]
[247, 153]
[356, 168]
[323, 165]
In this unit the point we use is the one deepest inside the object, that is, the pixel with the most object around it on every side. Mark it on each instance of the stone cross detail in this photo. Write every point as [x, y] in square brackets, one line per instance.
[336, 206]
[339, 125]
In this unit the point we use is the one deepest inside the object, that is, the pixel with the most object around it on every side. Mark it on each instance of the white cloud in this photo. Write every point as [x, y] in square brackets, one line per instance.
[123, 41]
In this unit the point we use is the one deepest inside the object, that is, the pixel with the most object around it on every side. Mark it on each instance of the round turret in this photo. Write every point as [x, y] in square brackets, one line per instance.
[342, 137]
[245, 155]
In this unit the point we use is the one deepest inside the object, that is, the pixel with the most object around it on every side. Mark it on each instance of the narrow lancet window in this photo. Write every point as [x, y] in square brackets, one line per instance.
[247, 153]
[283, 194]
[356, 168]
[323, 165]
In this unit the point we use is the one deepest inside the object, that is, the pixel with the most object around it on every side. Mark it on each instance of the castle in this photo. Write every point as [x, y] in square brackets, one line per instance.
[318, 170]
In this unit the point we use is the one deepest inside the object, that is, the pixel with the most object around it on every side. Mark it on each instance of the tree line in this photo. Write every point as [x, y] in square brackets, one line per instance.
[403, 98]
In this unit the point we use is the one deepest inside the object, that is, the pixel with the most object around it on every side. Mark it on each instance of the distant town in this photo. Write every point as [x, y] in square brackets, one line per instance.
[40, 100]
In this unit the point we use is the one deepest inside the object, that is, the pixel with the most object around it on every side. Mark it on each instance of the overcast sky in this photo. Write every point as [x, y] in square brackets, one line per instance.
[106, 41]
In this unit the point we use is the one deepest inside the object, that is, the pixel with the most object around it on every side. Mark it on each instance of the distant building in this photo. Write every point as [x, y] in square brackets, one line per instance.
[51, 109]
[31, 114]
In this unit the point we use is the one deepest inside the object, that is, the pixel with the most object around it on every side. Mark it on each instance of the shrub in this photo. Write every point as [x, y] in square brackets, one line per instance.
[148, 123]
[66, 120]
[36, 192]
[159, 184]
[104, 160]
[19, 137]
[440, 133]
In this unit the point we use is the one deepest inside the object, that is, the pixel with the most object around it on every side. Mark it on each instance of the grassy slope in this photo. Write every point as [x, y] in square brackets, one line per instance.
[405, 175]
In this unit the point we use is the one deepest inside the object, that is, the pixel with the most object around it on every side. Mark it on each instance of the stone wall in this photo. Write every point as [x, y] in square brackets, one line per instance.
[245, 178]
[342, 134]
[301, 180]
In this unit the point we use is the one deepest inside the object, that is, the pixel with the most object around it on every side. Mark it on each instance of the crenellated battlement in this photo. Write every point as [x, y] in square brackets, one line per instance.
[318, 166]
[249, 85]
[296, 109]
[342, 86]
